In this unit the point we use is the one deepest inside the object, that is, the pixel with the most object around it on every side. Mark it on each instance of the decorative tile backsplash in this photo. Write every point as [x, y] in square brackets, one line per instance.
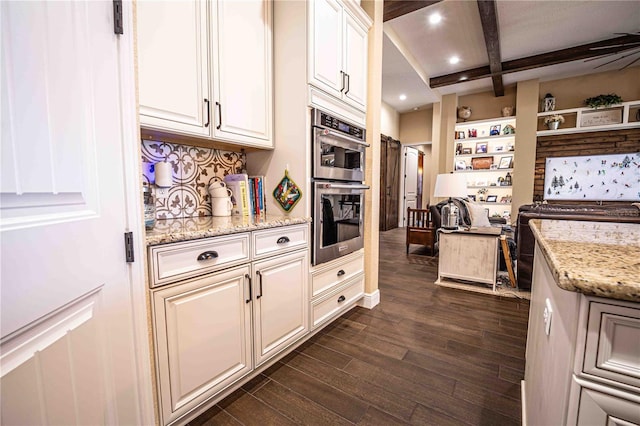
[193, 169]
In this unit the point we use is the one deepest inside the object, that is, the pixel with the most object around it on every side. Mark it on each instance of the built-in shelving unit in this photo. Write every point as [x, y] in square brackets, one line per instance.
[579, 120]
[486, 159]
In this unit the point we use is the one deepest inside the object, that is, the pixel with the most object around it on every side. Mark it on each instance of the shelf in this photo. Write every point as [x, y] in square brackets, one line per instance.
[485, 138]
[490, 186]
[483, 171]
[577, 113]
[486, 154]
[493, 203]
[489, 121]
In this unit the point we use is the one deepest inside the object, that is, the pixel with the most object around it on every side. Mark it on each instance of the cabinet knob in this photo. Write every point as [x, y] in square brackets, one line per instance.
[341, 272]
[283, 240]
[207, 255]
[341, 299]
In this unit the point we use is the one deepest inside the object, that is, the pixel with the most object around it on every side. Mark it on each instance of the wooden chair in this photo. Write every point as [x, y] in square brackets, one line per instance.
[420, 229]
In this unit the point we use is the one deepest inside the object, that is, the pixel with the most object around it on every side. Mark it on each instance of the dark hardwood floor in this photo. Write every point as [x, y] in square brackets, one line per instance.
[426, 355]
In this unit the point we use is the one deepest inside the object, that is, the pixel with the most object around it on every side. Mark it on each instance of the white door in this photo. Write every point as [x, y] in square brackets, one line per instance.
[281, 302]
[203, 339]
[355, 62]
[73, 327]
[410, 181]
[173, 66]
[242, 71]
[325, 50]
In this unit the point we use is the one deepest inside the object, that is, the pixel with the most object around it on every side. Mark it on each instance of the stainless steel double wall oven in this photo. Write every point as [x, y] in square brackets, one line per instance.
[338, 192]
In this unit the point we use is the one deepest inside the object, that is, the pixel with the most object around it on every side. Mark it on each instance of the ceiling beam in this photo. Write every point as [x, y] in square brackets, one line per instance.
[489, 19]
[396, 8]
[590, 50]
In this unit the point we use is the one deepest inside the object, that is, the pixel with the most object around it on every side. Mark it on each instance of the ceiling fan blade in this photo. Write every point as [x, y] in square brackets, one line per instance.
[615, 45]
[630, 63]
[614, 60]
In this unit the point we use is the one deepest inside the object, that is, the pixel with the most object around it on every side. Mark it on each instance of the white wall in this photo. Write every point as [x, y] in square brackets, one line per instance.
[389, 121]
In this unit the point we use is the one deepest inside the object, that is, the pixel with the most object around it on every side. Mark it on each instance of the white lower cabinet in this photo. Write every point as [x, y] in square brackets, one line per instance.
[213, 329]
[203, 339]
[281, 300]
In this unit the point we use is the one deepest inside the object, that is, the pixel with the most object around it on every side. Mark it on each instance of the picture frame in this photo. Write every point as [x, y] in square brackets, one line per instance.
[505, 162]
[492, 198]
[482, 163]
[504, 199]
[461, 165]
[495, 130]
[467, 151]
[473, 133]
[481, 148]
[498, 148]
[460, 135]
[472, 197]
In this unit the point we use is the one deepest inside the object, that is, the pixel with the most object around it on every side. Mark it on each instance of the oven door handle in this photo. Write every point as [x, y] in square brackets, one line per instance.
[346, 186]
[321, 131]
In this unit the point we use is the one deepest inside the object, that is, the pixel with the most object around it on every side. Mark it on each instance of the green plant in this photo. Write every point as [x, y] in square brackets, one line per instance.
[553, 118]
[603, 101]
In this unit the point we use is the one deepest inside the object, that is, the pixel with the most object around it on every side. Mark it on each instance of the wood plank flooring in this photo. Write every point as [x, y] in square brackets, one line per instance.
[426, 355]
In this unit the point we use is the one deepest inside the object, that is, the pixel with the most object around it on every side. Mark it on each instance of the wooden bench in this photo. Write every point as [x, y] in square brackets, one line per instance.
[420, 228]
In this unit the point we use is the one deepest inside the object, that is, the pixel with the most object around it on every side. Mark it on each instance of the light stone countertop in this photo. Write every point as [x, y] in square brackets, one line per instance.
[595, 258]
[193, 228]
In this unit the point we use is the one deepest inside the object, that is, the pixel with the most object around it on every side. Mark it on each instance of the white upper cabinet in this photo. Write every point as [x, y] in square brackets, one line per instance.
[338, 53]
[242, 71]
[173, 66]
[205, 69]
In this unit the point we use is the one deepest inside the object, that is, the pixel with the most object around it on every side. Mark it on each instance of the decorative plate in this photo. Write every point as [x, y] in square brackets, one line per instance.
[287, 193]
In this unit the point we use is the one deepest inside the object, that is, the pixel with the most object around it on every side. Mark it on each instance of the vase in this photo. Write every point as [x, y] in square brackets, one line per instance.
[553, 125]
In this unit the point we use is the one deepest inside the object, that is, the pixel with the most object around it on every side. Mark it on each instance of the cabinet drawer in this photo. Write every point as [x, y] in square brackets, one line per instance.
[329, 307]
[612, 347]
[325, 279]
[173, 262]
[274, 241]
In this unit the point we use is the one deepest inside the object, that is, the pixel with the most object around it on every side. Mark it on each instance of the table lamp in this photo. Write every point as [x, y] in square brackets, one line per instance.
[450, 185]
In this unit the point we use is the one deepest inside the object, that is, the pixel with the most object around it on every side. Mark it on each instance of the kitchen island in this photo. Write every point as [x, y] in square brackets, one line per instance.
[583, 341]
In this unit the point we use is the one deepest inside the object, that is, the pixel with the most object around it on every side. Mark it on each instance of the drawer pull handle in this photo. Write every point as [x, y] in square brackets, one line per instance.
[247, 276]
[207, 255]
[341, 299]
[258, 296]
[283, 240]
[341, 272]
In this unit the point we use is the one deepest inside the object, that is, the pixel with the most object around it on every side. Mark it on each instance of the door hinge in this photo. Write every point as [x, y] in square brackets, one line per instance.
[128, 246]
[117, 17]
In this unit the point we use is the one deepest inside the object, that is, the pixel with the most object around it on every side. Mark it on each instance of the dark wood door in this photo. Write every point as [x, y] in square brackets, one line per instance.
[389, 182]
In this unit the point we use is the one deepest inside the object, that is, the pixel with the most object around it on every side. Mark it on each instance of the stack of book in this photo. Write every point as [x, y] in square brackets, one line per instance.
[248, 194]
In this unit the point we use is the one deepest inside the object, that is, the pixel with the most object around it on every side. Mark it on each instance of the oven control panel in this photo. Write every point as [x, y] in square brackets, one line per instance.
[326, 120]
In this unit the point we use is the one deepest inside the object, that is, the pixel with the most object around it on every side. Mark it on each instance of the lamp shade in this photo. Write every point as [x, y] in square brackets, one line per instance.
[450, 185]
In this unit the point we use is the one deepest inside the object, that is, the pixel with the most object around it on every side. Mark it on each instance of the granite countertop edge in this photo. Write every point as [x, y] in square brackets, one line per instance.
[174, 236]
[566, 279]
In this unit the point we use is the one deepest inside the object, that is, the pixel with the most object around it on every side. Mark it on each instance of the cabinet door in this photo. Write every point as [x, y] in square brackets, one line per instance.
[173, 66]
[281, 301]
[601, 408]
[325, 50]
[203, 341]
[242, 71]
[355, 62]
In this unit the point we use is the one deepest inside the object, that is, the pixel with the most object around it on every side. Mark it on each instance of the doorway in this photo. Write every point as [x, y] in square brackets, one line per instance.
[389, 182]
[409, 183]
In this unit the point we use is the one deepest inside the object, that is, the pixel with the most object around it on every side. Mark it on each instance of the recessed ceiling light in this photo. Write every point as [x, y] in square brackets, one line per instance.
[463, 78]
[435, 18]
[403, 97]
[415, 108]
[454, 60]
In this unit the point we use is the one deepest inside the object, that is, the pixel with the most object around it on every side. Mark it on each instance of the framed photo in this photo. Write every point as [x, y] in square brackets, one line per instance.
[494, 130]
[499, 148]
[461, 165]
[481, 148]
[504, 199]
[505, 162]
[471, 197]
[492, 198]
[482, 163]
[459, 135]
[473, 133]
[467, 151]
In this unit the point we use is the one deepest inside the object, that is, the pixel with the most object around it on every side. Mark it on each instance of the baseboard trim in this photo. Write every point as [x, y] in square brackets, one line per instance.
[523, 400]
[370, 300]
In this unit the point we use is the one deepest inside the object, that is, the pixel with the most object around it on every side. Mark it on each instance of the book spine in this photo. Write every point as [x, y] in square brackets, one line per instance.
[252, 204]
[244, 198]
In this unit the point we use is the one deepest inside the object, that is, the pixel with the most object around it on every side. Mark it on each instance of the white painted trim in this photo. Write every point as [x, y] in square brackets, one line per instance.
[523, 400]
[132, 172]
[370, 300]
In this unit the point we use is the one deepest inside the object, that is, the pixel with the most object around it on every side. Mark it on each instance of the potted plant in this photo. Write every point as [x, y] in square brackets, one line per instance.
[603, 101]
[553, 121]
